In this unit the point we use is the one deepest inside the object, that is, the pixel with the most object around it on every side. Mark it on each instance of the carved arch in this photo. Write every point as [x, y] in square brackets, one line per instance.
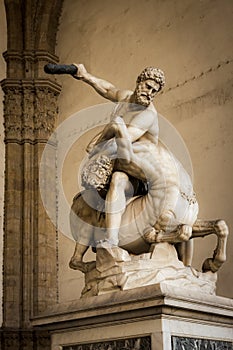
[32, 24]
[14, 25]
[48, 25]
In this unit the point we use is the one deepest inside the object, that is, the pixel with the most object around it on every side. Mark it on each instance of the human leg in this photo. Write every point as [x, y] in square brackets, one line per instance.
[115, 205]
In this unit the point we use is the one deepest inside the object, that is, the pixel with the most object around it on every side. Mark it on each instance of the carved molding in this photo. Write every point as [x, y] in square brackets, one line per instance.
[119, 344]
[180, 343]
[28, 113]
[24, 339]
[29, 65]
[12, 112]
[45, 112]
[30, 109]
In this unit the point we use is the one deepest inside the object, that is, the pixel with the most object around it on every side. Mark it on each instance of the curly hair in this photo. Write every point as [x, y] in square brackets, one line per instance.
[155, 74]
[97, 172]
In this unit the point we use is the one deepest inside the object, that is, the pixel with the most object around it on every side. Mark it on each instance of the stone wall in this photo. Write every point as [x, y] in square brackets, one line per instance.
[2, 152]
[192, 42]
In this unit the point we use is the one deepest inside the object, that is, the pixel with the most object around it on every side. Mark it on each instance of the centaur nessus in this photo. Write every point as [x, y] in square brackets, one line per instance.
[166, 213]
[124, 158]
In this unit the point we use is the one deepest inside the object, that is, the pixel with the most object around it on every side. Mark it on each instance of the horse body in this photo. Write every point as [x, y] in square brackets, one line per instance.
[170, 200]
[164, 207]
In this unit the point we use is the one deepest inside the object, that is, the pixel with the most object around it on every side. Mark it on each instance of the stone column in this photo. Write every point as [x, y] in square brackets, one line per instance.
[30, 239]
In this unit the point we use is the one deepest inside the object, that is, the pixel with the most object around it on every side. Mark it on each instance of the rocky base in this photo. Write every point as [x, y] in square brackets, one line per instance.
[115, 269]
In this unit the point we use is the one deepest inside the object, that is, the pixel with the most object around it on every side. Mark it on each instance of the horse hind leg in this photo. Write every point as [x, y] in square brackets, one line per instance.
[219, 256]
[203, 228]
[82, 232]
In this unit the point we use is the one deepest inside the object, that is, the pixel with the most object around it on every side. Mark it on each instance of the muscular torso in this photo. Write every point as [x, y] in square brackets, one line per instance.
[138, 117]
[154, 163]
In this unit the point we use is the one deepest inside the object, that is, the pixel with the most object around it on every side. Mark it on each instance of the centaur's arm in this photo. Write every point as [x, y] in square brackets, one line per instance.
[101, 86]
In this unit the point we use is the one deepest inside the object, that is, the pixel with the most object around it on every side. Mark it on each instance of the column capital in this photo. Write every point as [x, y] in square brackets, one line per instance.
[30, 109]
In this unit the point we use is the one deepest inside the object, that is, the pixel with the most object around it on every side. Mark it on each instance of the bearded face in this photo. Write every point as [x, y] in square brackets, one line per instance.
[145, 92]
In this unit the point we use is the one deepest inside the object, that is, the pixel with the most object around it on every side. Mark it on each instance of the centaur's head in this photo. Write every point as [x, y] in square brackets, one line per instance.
[97, 172]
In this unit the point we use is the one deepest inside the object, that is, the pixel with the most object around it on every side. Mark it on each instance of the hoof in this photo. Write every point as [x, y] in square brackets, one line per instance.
[209, 265]
[75, 264]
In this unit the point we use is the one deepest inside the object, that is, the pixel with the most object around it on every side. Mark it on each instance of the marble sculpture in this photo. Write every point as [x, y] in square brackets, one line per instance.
[138, 209]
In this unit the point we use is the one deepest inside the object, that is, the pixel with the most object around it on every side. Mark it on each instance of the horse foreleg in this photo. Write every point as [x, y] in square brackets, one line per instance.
[202, 228]
[185, 252]
[180, 237]
[181, 234]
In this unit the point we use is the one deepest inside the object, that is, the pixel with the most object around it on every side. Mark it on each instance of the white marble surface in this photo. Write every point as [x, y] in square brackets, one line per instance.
[168, 314]
[160, 311]
[141, 299]
[117, 270]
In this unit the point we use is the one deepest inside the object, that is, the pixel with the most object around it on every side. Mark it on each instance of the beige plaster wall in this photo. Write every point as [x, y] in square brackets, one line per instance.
[3, 43]
[192, 42]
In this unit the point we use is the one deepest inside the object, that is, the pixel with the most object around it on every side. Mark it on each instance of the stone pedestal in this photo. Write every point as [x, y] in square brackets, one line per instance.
[156, 317]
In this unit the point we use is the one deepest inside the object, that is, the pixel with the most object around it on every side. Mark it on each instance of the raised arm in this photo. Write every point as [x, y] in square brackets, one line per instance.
[101, 86]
